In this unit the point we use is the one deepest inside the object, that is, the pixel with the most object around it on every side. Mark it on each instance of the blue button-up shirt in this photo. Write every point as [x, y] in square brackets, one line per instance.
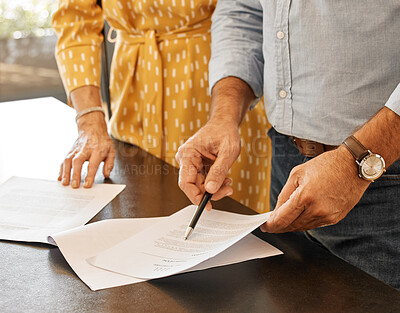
[325, 67]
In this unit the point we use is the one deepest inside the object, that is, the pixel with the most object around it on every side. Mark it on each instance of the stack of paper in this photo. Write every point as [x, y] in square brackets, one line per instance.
[32, 209]
[127, 251]
[118, 252]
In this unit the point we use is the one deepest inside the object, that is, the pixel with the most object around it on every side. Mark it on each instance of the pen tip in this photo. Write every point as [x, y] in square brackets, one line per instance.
[188, 232]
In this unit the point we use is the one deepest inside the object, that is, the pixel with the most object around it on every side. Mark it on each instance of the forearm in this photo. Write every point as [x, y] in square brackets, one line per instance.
[78, 26]
[381, 135]
[230, 100]
[85, 97]
[88, 97]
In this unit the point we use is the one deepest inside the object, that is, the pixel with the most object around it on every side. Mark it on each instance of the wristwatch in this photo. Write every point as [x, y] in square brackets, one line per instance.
[371, 166]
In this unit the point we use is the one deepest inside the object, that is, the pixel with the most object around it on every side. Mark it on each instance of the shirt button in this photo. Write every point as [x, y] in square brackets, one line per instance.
[280, 35]
[282, 94]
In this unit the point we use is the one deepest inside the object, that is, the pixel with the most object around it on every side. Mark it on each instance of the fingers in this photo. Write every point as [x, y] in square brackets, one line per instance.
[298, 208]
[83, 151]
[94, 162]
[224, 191]
[218, 172]
[77, 163]
[205, 160]
[109, 163]
[312, 198]
[283, 217]
[286, 192]
[60, 172]
[191, 177]
[289, 206]
[66, 167]
[190, 181]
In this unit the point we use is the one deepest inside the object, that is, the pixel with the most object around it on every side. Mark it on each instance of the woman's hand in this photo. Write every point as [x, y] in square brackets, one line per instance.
[93, 145]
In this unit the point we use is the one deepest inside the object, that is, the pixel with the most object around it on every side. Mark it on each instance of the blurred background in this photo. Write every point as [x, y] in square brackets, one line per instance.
[27, 65]
[28, 68]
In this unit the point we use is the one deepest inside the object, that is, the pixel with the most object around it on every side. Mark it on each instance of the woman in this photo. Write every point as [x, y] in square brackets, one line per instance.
[158, 87]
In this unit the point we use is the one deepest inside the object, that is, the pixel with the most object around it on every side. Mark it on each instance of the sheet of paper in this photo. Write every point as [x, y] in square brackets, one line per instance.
[33, 209]
[83, 242]
[160, 250]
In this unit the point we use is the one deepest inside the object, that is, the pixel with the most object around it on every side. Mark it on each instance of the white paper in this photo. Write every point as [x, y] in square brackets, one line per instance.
[160, 250]
[83, 242]
[33, 209]
[36, 134]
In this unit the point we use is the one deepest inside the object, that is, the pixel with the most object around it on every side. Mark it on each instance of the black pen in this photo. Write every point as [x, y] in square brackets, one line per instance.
[206, 197]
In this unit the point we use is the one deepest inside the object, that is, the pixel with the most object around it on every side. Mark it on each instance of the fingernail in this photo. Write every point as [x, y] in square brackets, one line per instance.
[211, 186]
[74, 184]
[86, 184]
[64, 181]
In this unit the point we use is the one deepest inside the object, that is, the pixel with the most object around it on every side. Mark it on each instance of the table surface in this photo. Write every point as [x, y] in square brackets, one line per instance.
[36, 277]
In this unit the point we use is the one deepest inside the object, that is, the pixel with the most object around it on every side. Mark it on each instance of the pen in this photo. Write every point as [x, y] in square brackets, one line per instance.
[206, 197]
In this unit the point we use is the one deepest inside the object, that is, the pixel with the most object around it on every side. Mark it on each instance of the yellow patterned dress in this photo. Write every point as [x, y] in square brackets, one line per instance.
[159, 79]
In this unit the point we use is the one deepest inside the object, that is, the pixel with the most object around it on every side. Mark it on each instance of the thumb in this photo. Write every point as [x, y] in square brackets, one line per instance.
[287, 190]
[288, 207]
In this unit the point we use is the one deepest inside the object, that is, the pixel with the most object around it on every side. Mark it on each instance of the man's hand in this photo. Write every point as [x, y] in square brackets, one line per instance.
[94, 145]
[323, 190]
[318, 193]
[205, 160]
[206, 157]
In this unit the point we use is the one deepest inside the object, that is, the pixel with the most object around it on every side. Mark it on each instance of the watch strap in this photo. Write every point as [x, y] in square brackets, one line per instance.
[356, 148]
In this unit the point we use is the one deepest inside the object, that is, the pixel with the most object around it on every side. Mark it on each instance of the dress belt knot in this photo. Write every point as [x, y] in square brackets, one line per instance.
[184, 32]
[149, 65]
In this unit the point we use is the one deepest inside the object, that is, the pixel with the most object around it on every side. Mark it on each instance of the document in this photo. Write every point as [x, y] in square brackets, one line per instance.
[160, 250]
[33, 209]
[86, 241]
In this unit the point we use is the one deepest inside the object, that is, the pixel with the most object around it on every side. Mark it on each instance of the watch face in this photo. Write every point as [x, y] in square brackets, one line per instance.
[372, 167]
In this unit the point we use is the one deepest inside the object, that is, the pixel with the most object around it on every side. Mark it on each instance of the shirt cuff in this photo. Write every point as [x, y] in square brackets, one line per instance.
[394, 101]
[79, 66]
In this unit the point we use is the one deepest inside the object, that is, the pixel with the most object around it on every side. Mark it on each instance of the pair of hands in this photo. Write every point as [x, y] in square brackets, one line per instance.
[318, 193]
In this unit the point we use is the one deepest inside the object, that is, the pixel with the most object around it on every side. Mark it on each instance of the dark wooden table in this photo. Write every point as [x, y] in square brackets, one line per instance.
[306, 278]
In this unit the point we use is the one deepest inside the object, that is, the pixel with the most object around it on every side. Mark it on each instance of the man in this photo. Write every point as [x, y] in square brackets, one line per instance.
[329, 70]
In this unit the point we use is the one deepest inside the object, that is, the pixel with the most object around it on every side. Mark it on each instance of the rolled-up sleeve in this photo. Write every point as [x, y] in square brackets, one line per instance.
[78, 26]
[394, 101]
[236, 48]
